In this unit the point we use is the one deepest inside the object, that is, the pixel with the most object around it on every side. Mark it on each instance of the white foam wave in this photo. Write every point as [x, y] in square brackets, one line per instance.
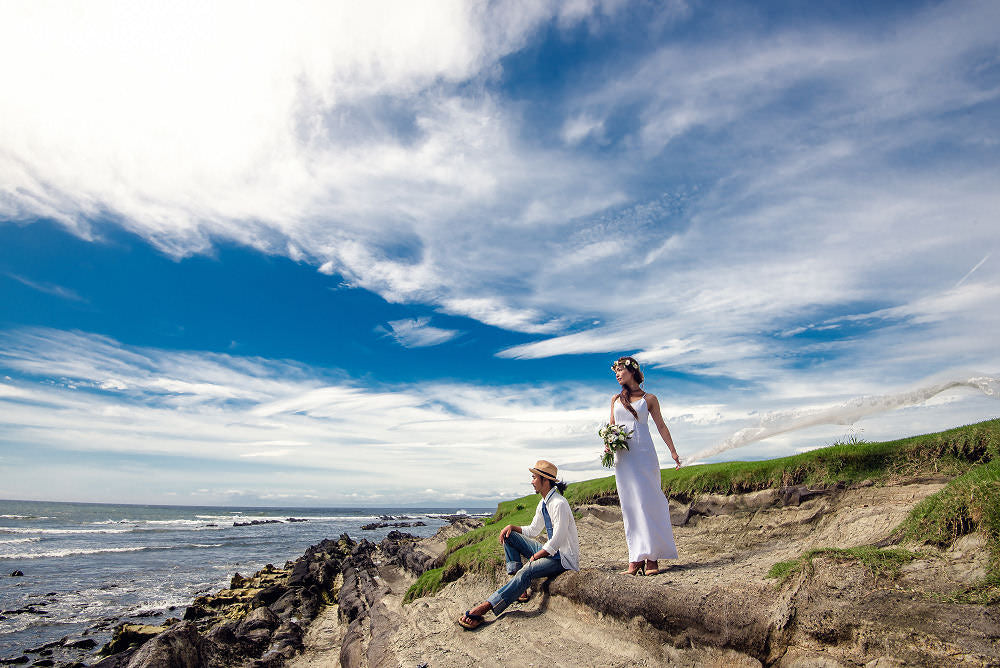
[73, 552]
[59, 532]
[849, 412]
[24, 517]
[14, 541]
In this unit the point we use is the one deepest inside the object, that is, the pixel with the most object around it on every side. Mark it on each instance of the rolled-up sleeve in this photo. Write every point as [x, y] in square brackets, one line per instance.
[537, 523]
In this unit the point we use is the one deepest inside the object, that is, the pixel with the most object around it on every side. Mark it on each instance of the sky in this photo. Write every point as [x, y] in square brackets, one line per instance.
[343, 254]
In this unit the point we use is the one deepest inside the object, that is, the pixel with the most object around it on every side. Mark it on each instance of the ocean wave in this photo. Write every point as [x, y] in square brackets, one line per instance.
[24, 517]
[73, 552]
[58, 532]
[13, 541]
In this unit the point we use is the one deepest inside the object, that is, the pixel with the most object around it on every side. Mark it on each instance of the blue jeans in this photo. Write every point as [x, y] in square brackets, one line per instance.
[515, 547]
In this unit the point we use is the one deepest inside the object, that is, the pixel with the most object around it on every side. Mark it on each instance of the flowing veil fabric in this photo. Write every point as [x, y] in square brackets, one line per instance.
[645, 509]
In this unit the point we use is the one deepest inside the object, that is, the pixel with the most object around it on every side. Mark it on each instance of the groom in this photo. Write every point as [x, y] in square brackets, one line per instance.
[560, 553]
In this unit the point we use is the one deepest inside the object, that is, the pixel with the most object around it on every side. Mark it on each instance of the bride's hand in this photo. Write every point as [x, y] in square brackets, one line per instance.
[677, 459]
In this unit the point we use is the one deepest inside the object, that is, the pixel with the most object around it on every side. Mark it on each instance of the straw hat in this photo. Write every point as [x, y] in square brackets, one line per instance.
[545, 469]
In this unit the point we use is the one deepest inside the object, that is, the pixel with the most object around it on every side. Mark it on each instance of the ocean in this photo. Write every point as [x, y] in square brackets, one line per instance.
[88, 566]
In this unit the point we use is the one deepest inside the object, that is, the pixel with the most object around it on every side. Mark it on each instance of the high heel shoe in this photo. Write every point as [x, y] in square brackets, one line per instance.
[635, 568]
[646, 570]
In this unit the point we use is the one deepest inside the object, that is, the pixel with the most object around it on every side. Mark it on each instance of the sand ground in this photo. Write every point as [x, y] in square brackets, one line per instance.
[732, 549]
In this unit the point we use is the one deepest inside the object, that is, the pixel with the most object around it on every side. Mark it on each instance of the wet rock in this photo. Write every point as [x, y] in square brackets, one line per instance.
[196, 612]
[80, 643]
[17, 574]
[180, 646]
[385, 525]
[126, 636]
[14, 661]
[253, 523]
[115, 660]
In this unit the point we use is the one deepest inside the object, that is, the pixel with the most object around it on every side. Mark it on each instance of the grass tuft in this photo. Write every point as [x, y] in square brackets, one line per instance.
[881, 562]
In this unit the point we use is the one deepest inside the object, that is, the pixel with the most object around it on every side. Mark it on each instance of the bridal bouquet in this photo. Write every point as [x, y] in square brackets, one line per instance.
[615, 437]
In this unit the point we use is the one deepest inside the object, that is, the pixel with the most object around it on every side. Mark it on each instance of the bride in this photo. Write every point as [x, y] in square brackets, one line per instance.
[645, 510]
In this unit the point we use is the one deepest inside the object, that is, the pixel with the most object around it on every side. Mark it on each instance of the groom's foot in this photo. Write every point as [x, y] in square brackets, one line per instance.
[470, 621]
[525, 597]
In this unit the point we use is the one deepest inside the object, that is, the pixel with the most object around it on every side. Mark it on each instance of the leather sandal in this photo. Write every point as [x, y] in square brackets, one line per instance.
[471, 622]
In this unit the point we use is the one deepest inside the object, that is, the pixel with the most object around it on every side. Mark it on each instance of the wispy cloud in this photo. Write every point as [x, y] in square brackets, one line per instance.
[778, 211]
[418, 333]
[277, 427]
[48, 288]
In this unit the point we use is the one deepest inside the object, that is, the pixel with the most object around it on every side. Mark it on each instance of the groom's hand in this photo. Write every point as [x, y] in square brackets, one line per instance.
[506, 531]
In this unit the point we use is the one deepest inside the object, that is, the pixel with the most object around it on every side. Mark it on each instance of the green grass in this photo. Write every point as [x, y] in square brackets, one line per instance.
[956, 452]
[881, 562]
[951, 452]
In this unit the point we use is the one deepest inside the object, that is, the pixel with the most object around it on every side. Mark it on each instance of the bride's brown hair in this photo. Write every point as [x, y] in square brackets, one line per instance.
[626, 393]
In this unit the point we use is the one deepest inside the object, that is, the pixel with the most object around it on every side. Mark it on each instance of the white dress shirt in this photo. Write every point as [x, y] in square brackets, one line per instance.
[563, 539]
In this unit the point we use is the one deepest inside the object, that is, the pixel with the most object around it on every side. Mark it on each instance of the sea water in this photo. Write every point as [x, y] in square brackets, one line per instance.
[88, 566]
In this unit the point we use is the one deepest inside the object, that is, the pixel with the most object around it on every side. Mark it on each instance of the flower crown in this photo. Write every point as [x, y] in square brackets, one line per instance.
[626, 363]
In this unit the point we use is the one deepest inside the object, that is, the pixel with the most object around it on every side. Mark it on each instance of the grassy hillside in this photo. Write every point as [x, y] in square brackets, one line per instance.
[971, 502]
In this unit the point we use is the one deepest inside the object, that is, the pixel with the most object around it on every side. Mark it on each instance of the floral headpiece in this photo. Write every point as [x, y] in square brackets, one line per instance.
[626, 363]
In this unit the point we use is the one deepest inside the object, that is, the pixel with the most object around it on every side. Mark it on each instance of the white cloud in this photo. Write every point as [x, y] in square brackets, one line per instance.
[299, 430]
[48, 288]
[752, 191]
[417, 333]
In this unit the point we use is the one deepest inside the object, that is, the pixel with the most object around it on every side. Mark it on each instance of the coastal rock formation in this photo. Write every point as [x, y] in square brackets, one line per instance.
[386, 525]
[401, 549]
[258, 619]
[714, 606]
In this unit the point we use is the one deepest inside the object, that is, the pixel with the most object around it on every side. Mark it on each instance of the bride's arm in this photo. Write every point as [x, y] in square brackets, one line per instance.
[661, 426]
[612, 420]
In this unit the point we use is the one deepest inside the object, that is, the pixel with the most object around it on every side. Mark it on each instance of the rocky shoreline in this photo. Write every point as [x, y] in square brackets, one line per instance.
[341, 603]
[258, 621]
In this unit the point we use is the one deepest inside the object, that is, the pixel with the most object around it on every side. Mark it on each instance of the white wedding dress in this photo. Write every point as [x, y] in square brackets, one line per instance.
[644, 506]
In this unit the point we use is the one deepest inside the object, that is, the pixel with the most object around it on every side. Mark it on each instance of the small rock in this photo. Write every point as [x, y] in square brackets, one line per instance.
[17, 574]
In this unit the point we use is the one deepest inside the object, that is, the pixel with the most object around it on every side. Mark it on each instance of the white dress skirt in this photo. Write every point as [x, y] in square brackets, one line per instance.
[644, 506]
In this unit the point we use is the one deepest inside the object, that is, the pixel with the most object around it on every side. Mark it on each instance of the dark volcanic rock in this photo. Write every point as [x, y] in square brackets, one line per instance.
[400, 548]
[17, 574]
[269, 595]
[260, 618]
[385, 525]
[180, 646]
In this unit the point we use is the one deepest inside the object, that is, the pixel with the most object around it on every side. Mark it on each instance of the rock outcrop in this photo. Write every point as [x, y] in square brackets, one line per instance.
[258, 620]
[715, 606]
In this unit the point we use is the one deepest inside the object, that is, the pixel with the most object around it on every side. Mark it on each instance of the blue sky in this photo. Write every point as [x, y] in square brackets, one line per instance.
[334, 254]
